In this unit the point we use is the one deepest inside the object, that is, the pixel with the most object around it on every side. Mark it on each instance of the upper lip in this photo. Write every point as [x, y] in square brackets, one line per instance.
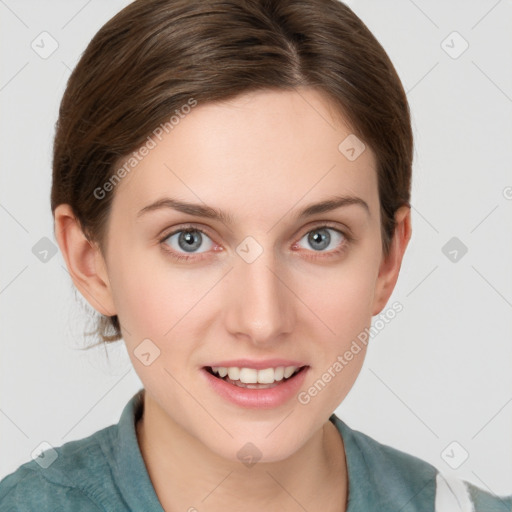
[257, 365]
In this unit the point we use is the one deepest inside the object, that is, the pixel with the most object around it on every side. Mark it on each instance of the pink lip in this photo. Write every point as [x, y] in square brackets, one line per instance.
[257, 398]
[258, 365]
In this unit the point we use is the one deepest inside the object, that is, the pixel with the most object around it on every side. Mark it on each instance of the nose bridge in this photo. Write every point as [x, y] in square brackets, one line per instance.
[260, 305]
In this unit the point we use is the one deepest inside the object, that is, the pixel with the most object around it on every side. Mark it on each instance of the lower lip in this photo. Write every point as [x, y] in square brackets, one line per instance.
[257, 398]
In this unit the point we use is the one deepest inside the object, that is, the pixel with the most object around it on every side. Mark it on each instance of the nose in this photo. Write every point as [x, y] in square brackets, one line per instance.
[260, 304]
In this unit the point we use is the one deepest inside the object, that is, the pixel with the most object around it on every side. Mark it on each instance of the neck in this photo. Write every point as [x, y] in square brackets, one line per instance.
[186, 474]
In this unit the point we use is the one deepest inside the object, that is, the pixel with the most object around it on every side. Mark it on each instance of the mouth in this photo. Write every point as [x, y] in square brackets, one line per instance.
[270, 385]
[250, 378]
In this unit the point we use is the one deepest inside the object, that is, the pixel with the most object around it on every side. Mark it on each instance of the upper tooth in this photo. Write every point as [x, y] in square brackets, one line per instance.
[288, 371]
[222, 371]
[266, 376]
[279, 373]
[253, 376]
[234, 373]
[248, 375]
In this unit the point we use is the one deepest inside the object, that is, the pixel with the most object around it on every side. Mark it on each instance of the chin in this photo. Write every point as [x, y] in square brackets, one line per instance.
[251, 449]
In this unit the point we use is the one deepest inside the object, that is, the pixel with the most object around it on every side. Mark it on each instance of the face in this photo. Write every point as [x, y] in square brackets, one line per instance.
[262, 287]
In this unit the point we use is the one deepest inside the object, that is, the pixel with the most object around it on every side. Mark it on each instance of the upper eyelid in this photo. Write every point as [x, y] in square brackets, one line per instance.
[346, 232]
[186, 227]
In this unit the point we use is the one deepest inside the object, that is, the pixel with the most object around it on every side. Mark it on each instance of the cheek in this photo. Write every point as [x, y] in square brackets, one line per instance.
[147, 296]
[343, 305]
[155, 302]
[152, 298]
[342, 296]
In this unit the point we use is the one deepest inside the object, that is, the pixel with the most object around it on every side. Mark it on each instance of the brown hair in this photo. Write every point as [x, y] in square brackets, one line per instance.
[155, 55]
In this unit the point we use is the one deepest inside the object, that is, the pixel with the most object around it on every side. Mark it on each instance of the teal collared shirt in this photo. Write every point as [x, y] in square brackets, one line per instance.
[106, 472]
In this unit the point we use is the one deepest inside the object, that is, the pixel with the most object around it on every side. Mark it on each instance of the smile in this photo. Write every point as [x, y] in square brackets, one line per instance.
[263, 388]
[252, 378]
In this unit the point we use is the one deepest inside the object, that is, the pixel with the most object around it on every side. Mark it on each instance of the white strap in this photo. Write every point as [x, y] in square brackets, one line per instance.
[452, 495]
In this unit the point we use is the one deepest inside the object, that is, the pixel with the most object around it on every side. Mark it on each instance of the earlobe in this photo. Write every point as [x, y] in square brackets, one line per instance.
[84, 261]
[390, 265]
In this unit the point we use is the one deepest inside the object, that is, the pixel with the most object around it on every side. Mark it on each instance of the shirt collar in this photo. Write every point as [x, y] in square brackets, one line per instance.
[132, 475]
[382, 477]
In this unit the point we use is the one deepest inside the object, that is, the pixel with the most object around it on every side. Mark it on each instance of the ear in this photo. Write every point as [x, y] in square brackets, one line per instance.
[390, 265]
[84, 261]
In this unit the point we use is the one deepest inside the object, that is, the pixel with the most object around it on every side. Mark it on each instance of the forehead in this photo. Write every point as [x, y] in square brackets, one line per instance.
[255, 152]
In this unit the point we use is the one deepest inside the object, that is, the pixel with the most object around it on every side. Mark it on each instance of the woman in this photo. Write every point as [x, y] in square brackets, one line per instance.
[231, 191]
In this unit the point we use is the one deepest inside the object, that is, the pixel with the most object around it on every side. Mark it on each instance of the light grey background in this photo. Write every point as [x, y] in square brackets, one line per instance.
[439, 372]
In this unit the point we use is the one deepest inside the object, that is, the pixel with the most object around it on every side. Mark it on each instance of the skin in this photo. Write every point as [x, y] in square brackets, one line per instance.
[270, 153]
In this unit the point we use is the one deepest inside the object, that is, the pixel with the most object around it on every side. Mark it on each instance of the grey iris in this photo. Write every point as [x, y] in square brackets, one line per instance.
[191, 240]
[324, 238]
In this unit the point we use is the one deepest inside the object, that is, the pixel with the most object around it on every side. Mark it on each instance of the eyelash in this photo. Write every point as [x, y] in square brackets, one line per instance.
[190, 227]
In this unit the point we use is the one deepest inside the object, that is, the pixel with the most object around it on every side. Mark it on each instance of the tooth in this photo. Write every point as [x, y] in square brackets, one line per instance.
[279, 373]
[248, 375]
[253, 376]
[222, 371]
[266, 376]
[234, 373]
[288, 371]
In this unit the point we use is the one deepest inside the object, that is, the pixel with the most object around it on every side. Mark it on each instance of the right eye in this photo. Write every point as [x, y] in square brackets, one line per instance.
[185, 241]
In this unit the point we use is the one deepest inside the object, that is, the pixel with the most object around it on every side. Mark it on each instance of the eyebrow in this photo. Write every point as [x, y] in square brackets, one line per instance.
[200, 210]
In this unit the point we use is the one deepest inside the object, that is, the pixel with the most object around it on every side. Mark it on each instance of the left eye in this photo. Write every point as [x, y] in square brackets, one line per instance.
[189, 240]
[320, 238]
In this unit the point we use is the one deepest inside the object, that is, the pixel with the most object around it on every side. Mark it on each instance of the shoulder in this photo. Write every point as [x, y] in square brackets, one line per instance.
[484, 501]
[74, 474]
[27, 490]
[384, 478]
[395, 461]
[395, 480]
[454, 494]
